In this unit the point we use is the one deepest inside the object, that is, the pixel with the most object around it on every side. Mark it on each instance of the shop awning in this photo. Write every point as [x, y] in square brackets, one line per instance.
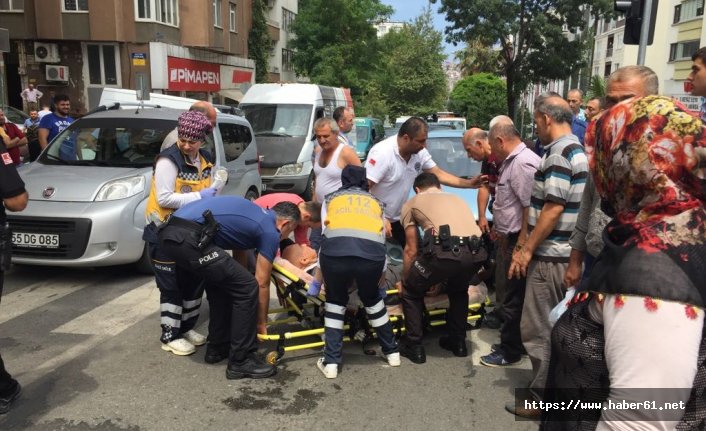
[232, 93]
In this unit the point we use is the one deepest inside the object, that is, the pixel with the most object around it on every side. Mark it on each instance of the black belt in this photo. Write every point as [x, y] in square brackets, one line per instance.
[460, 240]
[184, 223]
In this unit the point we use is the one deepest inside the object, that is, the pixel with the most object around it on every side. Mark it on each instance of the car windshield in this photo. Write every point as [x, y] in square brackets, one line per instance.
[449, 154]
[361, 133]
[454, 124]
[14, 115]
[118, 142]
[279, 120]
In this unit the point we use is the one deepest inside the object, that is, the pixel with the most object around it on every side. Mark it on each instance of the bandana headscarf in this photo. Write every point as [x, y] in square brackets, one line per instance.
[194, 126]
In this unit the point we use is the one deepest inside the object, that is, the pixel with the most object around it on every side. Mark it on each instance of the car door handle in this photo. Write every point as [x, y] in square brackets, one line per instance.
[251, 161]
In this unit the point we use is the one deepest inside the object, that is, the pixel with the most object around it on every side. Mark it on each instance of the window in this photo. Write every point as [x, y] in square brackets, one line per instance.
[609, 47]
[236, 139]
[287, 60]
[217, 18]
[164, 11]
[683, 50]
[12, 5]
[102, 64]
[607, 69]
[287, 19]
[75, 5]
[231, 15]
[688, 10]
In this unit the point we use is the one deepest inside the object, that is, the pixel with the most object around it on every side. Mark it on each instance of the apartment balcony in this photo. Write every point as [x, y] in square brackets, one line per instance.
[273, 31]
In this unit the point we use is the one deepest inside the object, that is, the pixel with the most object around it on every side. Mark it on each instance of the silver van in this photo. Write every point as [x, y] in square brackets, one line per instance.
[89, 187]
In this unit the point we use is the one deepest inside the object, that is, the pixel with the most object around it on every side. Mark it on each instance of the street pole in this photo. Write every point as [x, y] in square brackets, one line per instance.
[644, 31]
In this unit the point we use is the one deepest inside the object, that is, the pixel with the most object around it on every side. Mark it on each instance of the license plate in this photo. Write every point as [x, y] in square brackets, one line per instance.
[35, 240]
[264, 187]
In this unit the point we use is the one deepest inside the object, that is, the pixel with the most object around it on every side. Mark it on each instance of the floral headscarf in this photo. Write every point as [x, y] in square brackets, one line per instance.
[648, 159]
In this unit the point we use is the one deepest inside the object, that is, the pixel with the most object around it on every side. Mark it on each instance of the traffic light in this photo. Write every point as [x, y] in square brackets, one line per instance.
[634, 11]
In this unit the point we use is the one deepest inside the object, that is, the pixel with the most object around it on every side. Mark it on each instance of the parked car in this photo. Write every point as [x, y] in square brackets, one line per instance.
[14, 115]
[446, 148]
[88, 189]
[369, 131]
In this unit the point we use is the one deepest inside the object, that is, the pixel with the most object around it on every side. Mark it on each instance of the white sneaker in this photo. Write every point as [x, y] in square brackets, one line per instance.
[179, 347]
[329, 370]
[194, 338]
[393, 359]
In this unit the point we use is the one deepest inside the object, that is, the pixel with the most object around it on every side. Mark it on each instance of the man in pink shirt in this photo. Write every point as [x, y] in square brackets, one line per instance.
[310, 212]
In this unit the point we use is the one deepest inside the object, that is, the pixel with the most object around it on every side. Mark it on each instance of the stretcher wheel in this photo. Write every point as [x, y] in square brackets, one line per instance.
[272, 357]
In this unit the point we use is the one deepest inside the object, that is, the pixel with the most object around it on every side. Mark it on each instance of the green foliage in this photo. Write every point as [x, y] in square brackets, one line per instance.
[336, 43]
[477, 57]
[533, 45]
[596, 87]
[479, 98]
[410, 75]
[259, 41]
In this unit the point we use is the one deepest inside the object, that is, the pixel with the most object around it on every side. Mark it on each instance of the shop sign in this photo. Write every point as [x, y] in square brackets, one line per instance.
[193, 75]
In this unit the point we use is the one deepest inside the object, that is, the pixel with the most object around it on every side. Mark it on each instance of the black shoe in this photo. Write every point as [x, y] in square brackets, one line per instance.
[413, 352]
[253, 367]
[457, 346]
[215, 353]
[7, 400]
[492, 320]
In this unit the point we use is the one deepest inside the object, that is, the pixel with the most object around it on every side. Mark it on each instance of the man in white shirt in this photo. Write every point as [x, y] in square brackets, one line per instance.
[344, 118]
[31, 95]
[394, 163]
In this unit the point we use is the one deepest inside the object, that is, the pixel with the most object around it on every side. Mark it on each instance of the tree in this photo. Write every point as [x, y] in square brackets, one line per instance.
[479, 98]
[335, 41]
[530, 33]
[410, 74]
[477, 57]
[596, 87]
[259, 41]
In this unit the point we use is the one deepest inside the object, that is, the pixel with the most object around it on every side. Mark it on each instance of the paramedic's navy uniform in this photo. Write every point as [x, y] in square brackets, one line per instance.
[232, 290]
[11, 185]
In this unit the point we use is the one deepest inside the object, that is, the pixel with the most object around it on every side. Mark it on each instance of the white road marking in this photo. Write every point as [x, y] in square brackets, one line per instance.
[36, 295]
[117, 315]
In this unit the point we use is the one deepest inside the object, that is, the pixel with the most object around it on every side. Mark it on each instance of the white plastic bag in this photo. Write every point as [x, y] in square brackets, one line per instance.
[557, 311]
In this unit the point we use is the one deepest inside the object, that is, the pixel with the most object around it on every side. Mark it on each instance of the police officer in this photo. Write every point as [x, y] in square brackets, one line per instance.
[452, 251]
[196, 237]
[14, 198]
[353, 249]
[182, 174]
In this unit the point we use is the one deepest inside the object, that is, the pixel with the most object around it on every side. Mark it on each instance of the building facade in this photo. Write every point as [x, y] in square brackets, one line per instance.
[281, 15]
[191, 48]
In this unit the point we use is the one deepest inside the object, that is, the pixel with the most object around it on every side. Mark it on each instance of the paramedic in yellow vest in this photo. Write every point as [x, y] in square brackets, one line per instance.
[182, 174]
[353, 249]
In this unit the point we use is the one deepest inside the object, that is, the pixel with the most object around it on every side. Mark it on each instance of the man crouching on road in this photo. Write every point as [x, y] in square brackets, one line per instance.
[452, 250]
[196, 237]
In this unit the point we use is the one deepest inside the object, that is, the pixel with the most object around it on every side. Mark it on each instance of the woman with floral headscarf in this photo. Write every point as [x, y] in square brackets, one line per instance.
[637, 335]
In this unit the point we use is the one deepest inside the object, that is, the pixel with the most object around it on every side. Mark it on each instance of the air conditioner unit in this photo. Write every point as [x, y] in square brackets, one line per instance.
[46, 52]
[57, 73]
[271, 3]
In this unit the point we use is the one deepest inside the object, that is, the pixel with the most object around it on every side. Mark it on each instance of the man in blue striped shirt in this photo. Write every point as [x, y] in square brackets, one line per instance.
[544, 255]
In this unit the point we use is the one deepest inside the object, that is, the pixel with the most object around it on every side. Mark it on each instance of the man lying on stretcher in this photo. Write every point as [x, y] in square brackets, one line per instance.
[301, 260]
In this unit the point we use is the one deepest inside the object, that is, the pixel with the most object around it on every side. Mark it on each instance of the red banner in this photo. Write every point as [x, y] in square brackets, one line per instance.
[240, 76]
[193, 75]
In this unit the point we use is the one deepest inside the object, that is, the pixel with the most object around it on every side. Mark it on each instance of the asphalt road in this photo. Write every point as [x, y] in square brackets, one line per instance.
[85, 346]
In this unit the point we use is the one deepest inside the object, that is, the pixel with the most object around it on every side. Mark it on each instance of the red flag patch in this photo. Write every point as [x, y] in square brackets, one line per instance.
[6, 158]
[371, 161]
